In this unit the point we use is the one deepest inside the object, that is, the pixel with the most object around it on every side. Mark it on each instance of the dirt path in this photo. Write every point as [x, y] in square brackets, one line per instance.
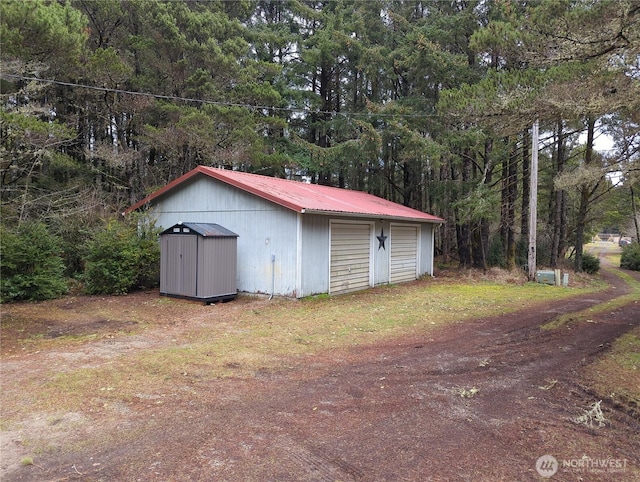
[389, 412]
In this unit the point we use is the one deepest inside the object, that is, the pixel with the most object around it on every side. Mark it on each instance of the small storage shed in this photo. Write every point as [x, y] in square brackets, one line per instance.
[198, 261]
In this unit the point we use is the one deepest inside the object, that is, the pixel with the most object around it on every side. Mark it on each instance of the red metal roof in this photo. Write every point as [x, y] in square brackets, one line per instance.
[301, 197]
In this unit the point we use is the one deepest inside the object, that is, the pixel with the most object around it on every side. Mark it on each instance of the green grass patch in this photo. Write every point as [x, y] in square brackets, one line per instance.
[627, 352]
[616, 375]
[586, 314]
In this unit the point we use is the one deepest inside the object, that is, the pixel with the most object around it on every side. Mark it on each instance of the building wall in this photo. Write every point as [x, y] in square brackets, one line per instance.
[314, 255]
[427, 248]
[265, 231]
[314, 248]
[380, 253]
[298, 244]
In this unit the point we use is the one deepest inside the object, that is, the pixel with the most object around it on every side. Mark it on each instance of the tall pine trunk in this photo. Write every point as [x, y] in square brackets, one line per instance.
[463, 224]
[481, 228]
[585, 198]
[508, 211]
[559, 213]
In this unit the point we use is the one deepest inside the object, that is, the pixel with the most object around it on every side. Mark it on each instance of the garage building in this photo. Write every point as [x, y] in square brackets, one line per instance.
[297, 239]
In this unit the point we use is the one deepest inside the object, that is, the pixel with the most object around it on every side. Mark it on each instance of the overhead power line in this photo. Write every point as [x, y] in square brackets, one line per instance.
[211, 102]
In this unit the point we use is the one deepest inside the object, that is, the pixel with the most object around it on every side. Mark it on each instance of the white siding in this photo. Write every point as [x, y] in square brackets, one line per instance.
[427, 234]
[350, 258]
[264, 230]
[314, 252]
[381, 252]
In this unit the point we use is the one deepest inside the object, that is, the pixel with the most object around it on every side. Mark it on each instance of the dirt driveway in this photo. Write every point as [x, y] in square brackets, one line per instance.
[481, 400]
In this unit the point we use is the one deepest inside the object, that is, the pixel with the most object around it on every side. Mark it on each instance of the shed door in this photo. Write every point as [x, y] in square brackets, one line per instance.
[350, 268]
[404, 253]
[178, 264]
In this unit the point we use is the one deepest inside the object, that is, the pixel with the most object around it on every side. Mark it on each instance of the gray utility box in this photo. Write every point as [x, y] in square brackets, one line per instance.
[546, 277]
[198, 261]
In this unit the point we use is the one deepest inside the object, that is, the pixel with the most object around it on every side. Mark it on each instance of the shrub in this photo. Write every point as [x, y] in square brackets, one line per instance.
[630, 258]
[74, 233]
[31, 267]
[148, 256]
[590, 263]
[122, 256]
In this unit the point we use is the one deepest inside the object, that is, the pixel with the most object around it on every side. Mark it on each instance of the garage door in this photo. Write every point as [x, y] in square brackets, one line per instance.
[350, 268]
[404, 253]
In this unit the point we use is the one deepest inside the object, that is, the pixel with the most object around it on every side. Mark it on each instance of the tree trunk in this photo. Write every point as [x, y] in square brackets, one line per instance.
[464, 244]
[559, 220]
[512, 190]
[463, 223]
[481, 228]
[480, 244]
[325, 174]
[503, 206]
[411, 195]
[448, 230]
[508, 211]
[585, 198]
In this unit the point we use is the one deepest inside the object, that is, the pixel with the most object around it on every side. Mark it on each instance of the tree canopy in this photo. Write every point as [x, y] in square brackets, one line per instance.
[426, 103]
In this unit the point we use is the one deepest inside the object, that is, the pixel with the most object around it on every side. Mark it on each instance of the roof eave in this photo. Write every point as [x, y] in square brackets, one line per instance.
[371, 215]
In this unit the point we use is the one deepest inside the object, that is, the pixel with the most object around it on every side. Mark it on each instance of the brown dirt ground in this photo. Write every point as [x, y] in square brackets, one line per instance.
[391, 411]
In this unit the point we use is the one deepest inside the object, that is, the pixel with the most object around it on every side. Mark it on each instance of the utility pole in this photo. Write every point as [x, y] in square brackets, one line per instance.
[533, 203]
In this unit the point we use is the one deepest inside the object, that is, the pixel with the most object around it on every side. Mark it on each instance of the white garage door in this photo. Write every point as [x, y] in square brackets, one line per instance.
[404, 253]
[350, 268]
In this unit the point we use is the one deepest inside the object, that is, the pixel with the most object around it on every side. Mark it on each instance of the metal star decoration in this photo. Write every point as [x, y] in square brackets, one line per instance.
[381, 239]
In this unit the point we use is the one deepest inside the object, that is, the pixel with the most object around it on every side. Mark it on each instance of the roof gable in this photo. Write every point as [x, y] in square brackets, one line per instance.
[300, 197]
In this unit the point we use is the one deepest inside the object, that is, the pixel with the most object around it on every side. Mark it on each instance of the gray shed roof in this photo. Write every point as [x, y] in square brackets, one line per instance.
[203, 229]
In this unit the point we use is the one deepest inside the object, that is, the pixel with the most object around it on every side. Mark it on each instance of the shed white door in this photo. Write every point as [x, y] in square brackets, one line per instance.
[404, 253]
[350, 260]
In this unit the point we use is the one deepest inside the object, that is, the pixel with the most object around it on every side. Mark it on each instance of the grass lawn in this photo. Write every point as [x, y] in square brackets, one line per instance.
[616, 375]
[169, 341]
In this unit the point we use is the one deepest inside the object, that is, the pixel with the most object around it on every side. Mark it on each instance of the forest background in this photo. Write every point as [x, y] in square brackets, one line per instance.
[426, 103]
